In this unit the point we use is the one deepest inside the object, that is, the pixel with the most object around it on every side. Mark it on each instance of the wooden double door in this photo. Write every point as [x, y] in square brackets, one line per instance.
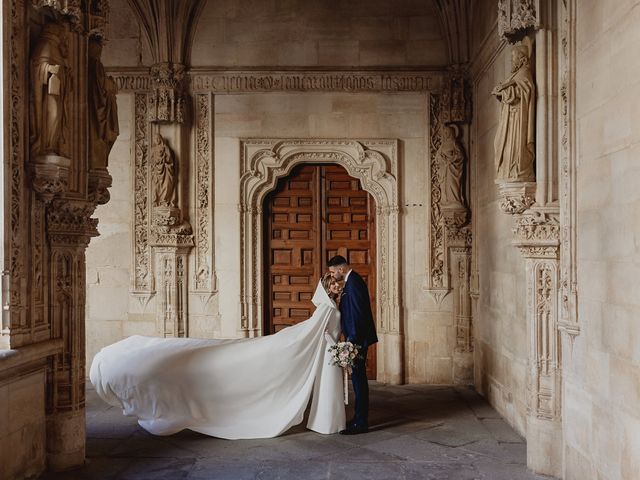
[318, 211]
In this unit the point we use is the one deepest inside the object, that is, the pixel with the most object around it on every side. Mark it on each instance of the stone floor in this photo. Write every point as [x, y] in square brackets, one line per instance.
[418, 432]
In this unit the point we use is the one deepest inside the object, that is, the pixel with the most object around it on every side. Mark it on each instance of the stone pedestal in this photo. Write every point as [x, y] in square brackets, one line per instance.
[66, 440]
[390, 356]
[171, 251]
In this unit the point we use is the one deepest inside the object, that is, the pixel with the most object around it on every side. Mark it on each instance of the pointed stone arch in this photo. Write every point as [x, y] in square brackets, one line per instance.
[375, 164]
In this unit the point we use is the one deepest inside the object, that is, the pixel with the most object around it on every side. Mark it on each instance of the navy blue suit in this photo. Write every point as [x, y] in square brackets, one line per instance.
[358, 328]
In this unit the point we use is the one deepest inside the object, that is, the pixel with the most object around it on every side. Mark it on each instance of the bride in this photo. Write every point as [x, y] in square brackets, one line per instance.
[246, 388]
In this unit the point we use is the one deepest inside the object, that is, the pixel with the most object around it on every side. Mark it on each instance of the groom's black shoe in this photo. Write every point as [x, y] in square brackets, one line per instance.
[354, 430]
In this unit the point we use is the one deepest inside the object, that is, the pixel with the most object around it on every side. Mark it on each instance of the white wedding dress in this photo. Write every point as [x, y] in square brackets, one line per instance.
[246, 388]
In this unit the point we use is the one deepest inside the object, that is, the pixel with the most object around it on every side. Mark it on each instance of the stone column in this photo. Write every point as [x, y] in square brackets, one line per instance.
[537, 235]
[69, 230]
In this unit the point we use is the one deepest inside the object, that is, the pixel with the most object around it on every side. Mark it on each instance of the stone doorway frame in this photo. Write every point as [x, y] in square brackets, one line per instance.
[372, 161]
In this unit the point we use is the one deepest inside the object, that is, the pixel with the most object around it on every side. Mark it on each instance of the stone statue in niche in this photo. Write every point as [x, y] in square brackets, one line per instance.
[50, 84]
[164, 174]
[515, 139]
[103, 110]
[450, 158]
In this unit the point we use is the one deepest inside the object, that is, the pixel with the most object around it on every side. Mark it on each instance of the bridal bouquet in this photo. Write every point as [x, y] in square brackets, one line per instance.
[344, 354]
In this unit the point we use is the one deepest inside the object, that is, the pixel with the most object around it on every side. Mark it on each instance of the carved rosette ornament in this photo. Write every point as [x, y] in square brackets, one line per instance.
[167, 100]
[517, 18]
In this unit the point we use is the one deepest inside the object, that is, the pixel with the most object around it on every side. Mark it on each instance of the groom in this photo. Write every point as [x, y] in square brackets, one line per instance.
[359, 329]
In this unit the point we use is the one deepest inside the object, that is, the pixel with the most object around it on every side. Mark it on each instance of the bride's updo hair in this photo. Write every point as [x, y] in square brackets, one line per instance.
[327, 280]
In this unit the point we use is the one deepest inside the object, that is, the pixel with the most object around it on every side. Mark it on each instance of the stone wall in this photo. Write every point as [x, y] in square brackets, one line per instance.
[109, 255]
[499, 317]
[235, 33]
[358, 34]
[602, 368]
[22, 416]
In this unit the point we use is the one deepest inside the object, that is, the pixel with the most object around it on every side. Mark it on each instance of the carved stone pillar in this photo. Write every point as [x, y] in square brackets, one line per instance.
[171, 252]
[537, 236]
[69, 230]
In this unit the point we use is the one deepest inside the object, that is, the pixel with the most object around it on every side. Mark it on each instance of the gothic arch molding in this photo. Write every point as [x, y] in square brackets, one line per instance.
[374, 163]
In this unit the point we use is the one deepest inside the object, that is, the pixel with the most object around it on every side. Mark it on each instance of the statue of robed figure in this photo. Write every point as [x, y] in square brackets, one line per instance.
[515, 139]
[50, 84]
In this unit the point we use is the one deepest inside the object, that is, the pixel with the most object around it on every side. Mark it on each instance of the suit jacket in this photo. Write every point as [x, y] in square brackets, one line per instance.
[355, 312]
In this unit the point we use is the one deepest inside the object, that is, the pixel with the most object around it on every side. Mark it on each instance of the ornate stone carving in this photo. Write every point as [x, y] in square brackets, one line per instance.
[98, 18]
[167, 99]
[70, 222]
[464, 330]
[103, 110]
[567, 185]
[515, 137]
[455, 104]
[16, 76]
[142, 278]
[516, 197]
[538, 227]
[50, 176]
[449, 213]
[50, 85]
[517, 18]
[205, 276]
[544, 381]
[171, 318]
[375, 164]
[71, 9]
[99, 182]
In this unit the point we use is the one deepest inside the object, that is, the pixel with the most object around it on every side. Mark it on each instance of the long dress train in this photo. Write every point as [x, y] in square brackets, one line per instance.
[245, 388]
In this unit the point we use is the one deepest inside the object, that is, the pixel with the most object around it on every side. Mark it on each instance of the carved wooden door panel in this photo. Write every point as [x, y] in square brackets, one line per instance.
[292, 246]
[318, 211]
[349, 230]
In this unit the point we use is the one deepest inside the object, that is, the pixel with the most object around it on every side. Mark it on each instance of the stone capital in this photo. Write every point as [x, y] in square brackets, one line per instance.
[537, 234]
[50, 176]
[69, 222]
[516, 197]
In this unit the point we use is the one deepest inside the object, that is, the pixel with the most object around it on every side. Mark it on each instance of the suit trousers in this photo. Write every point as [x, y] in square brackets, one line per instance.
[361, 391]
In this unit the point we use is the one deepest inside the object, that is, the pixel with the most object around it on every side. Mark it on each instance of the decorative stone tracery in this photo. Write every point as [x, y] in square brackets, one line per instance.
[516, 18]
[375, 164]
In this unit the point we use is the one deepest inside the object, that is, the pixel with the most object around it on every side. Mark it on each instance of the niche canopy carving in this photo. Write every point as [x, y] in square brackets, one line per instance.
[517, 18]
[449, 213]
[167, 97]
